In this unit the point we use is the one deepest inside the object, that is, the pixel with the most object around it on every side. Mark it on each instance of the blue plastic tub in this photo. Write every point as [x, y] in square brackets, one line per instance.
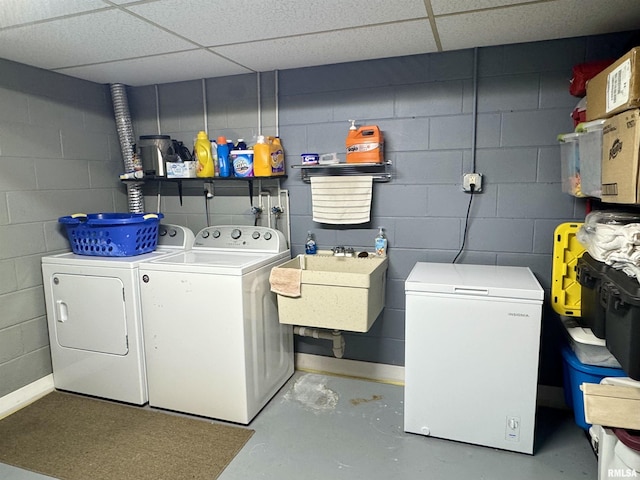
[112, 234]
[575, 373]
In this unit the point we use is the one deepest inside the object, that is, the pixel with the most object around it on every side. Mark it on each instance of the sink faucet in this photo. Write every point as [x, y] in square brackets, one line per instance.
[341, 251]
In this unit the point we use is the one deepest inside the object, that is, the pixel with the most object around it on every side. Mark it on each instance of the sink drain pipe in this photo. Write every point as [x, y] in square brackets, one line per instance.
[334, 335]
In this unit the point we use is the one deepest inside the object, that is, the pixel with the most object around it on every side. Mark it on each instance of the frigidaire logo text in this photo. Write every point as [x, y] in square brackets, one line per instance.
[516, 314]
[615, 148]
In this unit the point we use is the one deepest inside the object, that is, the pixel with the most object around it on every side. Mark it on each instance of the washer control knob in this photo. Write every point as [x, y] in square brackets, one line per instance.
[267, 236]
[205, 234]
[255, 235]
[216, 234]
[236, 233]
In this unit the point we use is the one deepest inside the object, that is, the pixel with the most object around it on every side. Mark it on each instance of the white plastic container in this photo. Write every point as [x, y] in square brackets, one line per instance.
[589, 349]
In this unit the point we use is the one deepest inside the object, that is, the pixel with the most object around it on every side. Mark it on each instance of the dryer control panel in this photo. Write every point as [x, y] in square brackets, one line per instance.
[241, 237]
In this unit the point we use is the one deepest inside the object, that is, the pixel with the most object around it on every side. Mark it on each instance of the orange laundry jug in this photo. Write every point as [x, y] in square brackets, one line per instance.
[262, 158]
[365, 144]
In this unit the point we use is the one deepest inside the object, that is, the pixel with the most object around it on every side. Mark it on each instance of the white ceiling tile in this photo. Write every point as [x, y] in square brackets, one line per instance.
[17, 12]
[91, 38]
[540, 21]
[173, 67]
[442, 7]
[407, 38]
[222, 22]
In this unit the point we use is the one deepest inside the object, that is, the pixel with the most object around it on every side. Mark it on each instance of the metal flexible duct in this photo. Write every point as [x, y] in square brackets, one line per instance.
[127, 144]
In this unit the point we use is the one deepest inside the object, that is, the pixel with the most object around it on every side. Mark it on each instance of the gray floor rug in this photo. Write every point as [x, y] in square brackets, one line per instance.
[77, 438]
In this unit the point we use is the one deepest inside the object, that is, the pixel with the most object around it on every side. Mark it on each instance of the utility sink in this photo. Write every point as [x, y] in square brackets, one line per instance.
[337, 292]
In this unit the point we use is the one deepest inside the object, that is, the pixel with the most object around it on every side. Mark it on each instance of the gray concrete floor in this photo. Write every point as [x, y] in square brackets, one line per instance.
[321, 426]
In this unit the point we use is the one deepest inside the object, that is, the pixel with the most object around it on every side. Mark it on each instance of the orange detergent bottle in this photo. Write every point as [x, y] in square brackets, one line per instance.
[365, 144]
[262, 158]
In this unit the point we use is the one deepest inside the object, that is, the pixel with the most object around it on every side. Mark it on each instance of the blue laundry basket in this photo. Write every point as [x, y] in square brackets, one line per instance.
[112, 234]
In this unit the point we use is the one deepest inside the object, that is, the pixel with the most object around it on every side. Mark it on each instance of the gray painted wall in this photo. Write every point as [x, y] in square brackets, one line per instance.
[424, 105]
[58, 155]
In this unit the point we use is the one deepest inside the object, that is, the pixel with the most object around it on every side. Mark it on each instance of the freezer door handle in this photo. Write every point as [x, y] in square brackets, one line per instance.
[471, 291]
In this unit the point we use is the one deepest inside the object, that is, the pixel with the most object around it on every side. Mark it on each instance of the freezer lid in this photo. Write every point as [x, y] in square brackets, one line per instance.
[483, 280]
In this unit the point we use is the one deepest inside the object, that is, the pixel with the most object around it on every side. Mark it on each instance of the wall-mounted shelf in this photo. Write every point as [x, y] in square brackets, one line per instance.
[179, 181]
[381, 172]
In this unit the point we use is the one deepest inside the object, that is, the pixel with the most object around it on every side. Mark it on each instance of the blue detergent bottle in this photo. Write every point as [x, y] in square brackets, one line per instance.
[223, 157]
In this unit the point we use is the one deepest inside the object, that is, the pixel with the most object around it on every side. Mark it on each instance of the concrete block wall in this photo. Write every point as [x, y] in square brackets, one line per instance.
[59, 154]
[424, 105]
[226, 106]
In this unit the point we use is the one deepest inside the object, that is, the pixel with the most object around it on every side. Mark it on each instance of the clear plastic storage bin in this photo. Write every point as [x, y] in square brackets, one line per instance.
[590, 157]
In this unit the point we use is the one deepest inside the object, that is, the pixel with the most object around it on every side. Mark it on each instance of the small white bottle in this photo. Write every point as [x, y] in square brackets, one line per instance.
[381, 243]
[310, 247]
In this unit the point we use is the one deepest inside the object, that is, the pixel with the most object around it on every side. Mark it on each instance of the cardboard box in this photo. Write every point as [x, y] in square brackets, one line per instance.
[615, 89]
[612, 405]
[620, 145]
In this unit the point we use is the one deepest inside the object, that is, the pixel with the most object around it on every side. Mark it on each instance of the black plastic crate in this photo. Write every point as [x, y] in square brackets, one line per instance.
[623, 322]
[591, 275]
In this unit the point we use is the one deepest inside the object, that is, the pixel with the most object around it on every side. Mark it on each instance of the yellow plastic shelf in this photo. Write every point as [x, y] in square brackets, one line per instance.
[565, 289]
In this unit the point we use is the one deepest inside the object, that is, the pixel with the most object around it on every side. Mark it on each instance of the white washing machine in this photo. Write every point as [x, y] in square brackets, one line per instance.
[95, 319]
[214, 345]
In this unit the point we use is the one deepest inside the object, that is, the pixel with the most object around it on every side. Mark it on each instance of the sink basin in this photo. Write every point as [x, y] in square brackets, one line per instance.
[337, 293]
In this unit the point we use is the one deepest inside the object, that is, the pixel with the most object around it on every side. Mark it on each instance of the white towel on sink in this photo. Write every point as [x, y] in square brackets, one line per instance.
[341, 200]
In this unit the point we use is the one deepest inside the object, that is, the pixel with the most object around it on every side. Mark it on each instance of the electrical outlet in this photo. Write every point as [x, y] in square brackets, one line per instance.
[474, 179]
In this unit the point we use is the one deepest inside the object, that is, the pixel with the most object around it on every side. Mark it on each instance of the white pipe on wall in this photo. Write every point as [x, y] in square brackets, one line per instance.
[277, 93]
[204, 106]
[158, 110]
[259, 91]
[335, 336]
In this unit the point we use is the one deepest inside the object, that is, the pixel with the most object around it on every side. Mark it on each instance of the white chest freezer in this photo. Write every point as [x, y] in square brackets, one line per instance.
[472, 347]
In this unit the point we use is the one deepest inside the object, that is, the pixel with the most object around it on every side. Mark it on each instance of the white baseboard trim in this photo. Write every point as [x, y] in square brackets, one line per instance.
[378, 372]
[548, 396]
[22, 397]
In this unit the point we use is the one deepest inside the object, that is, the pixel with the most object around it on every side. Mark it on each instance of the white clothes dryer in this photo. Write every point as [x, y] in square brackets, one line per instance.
[94, 317]
[214, 346]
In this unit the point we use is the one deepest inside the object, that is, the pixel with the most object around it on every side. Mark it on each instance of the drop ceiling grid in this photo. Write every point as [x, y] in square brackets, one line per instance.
[147, 41]
[406, 38]
[24, 12]
[220, 22]
[93, 38]
[154, 69]
[531, 22]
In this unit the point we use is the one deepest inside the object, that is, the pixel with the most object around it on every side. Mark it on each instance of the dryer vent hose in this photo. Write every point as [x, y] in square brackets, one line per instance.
[127, 144]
